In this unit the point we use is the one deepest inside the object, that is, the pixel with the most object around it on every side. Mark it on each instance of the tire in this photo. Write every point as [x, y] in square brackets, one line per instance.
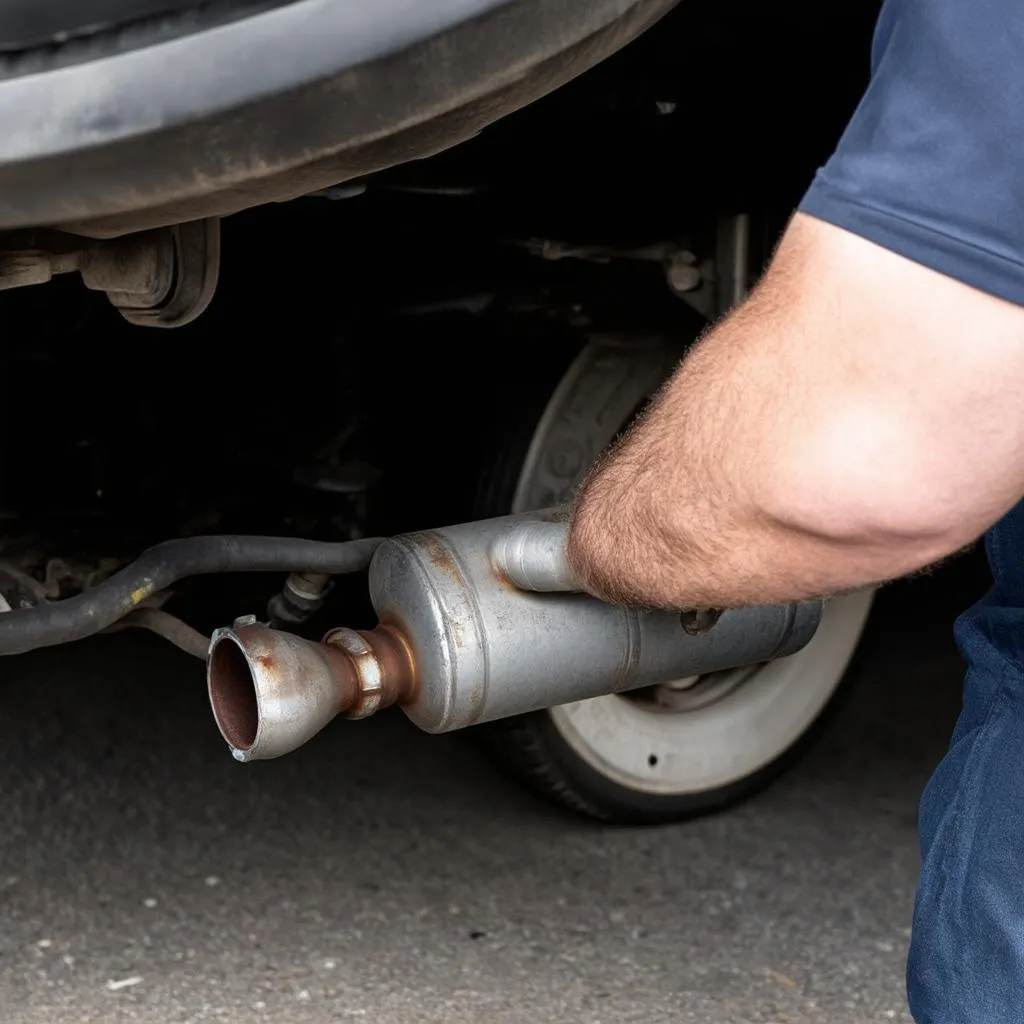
[661, 755]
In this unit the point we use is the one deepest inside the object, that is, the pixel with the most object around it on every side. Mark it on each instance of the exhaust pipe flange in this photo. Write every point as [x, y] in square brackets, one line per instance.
[272, 691]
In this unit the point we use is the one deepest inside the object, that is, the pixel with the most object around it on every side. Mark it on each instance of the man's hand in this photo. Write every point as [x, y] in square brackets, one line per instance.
[858, 418]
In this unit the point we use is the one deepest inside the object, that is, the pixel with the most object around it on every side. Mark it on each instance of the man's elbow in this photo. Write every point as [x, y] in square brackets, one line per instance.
[895, 509]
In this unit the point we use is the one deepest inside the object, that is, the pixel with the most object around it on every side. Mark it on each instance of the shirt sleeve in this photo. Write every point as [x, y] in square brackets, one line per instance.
[931, 165]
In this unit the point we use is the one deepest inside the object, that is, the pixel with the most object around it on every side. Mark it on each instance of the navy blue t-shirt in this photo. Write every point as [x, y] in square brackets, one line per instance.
[932, 164]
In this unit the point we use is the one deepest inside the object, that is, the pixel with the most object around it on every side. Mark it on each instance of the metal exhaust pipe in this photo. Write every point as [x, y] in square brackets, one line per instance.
[271, 692]
[478, 622]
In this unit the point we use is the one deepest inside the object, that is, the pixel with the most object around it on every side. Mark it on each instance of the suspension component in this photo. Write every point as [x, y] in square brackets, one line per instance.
[165, 277]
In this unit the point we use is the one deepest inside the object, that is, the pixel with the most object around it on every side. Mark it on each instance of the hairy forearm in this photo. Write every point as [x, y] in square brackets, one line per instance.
[806, 447]
[673, 517]
[681, 514]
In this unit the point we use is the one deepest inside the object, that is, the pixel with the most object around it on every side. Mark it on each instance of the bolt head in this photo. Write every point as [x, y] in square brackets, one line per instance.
[683, 277]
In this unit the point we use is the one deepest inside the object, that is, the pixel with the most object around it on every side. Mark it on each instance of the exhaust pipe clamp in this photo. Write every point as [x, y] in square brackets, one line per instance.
[368, 670]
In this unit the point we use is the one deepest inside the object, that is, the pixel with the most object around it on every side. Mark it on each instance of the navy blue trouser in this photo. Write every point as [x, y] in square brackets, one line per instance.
[966, 962]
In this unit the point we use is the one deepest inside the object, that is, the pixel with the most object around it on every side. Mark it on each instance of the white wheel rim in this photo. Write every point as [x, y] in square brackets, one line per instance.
[690, 752]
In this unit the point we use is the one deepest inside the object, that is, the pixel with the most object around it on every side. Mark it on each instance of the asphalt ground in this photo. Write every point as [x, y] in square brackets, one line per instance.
[384, 875]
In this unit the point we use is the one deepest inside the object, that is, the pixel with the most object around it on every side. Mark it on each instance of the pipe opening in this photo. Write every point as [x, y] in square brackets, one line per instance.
[233, 694]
